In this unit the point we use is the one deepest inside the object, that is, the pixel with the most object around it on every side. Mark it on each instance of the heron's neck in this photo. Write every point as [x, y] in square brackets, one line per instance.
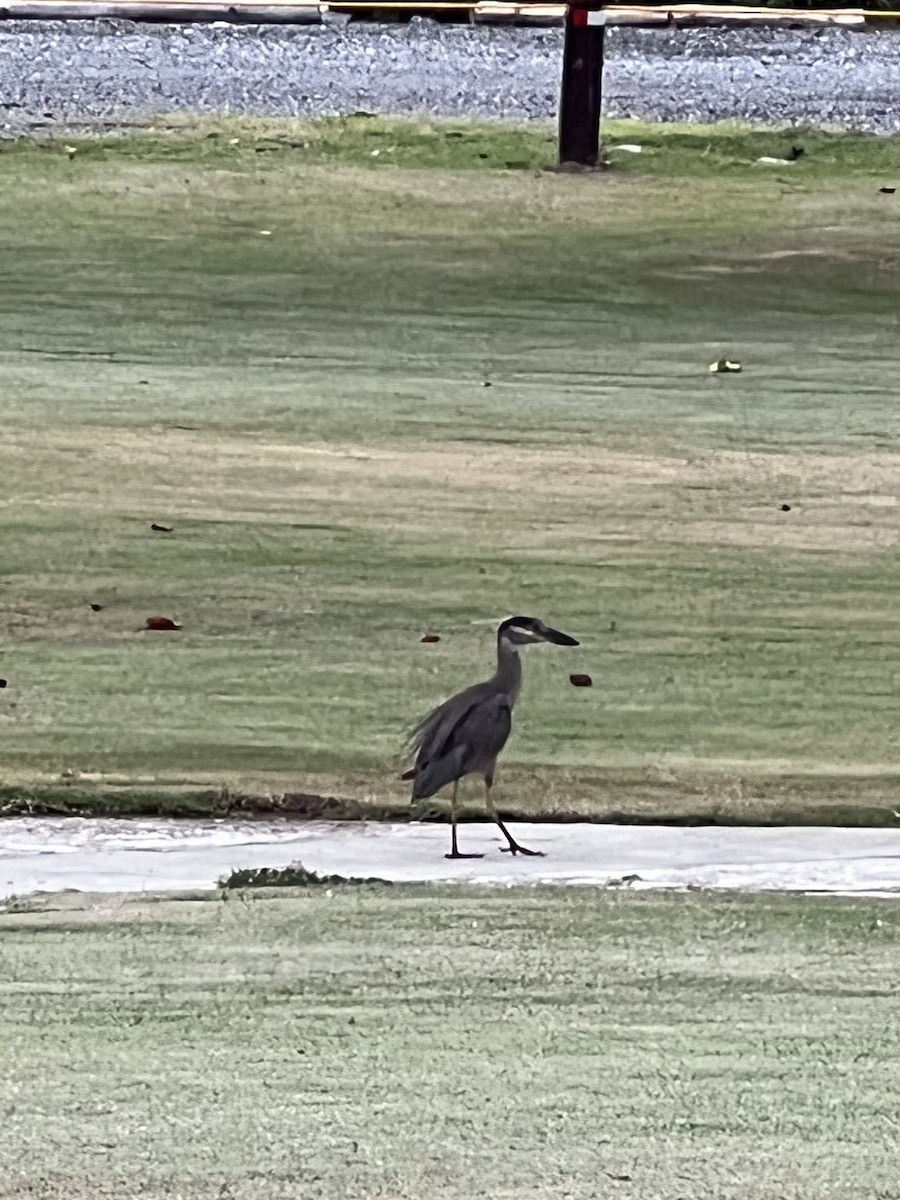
[509, 668]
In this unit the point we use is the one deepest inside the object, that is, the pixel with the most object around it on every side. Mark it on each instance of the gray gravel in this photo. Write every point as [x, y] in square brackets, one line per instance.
[63, 76]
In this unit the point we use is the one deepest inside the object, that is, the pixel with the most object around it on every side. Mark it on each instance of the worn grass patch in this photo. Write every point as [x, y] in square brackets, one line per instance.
[379, 143]
[282, 356]
[426, 1043]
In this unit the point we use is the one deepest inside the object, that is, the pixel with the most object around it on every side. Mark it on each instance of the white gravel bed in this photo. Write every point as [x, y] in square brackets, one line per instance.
[62, 76]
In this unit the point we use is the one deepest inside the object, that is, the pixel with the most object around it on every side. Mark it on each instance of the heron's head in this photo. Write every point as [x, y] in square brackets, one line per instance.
[522, 631]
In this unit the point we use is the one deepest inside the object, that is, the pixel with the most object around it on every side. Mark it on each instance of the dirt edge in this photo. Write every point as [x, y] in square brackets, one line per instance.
[56, 801]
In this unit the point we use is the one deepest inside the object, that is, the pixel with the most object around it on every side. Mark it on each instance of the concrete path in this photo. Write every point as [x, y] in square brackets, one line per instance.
[38, 854]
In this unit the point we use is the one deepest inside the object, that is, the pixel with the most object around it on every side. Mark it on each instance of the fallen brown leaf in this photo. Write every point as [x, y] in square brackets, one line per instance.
[161, 623]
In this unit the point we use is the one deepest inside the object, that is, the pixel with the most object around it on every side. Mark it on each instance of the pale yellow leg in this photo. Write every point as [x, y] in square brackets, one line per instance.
[454, 849]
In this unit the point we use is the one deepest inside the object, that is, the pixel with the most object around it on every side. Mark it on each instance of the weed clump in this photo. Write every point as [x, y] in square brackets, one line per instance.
[295, 875]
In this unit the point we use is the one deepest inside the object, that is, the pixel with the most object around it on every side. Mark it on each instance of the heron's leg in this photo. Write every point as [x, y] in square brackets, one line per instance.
[454, 849]
[513, 847]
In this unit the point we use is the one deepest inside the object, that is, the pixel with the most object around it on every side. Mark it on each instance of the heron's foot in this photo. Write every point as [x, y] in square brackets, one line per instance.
[514, 848]
[456, 854]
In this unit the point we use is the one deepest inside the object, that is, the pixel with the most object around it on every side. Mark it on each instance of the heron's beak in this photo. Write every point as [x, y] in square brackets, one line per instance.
[558, 639]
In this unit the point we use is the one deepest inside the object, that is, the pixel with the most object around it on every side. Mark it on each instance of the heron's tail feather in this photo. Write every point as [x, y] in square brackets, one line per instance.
[431, 776]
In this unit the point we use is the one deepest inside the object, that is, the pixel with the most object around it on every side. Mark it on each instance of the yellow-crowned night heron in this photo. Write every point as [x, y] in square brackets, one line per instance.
[465, 734]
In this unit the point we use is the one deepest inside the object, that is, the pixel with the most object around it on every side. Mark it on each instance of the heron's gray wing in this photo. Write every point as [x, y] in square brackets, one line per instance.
[441, 719]
[468, 737]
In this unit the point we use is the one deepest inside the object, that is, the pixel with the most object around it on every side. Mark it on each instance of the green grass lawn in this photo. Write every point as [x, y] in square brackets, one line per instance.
[422, 1044]
[276, 341]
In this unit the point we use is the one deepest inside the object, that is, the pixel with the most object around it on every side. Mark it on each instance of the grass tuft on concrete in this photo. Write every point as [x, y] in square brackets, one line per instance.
[293, 876]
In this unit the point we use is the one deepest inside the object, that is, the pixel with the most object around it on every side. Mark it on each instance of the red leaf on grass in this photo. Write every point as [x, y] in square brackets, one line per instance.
[161, 623]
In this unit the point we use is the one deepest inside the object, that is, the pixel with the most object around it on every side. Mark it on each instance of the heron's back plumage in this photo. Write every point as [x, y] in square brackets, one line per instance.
[462, 735]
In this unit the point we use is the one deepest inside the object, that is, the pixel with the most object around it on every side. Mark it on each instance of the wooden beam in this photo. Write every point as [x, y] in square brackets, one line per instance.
[487, 12]
[581, 97]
